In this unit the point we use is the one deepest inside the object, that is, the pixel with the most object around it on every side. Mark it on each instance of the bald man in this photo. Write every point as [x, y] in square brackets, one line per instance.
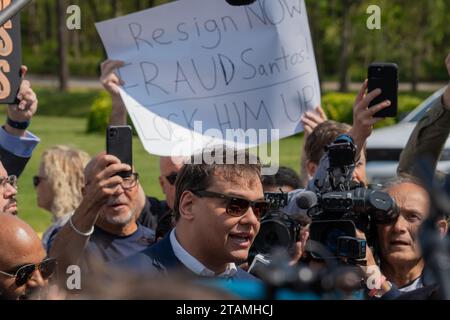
[157, 214]
[24, 269]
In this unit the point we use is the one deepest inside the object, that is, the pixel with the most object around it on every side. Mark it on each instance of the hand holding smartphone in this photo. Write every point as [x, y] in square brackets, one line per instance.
[119, 144]
[385, 77]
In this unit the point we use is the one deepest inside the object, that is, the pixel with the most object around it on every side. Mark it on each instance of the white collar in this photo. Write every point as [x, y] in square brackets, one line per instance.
[194, 265]
[416, 284]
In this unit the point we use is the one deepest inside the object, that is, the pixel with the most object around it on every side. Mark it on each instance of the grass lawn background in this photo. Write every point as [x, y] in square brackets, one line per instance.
[71, 131]
[61, 119]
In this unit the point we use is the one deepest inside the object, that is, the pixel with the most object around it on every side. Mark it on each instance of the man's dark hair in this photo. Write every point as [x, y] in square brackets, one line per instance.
[323, 135]
[284, 177]
[198, 174]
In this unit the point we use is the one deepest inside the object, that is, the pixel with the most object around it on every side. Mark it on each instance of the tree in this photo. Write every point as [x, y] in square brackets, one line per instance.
[63, 70]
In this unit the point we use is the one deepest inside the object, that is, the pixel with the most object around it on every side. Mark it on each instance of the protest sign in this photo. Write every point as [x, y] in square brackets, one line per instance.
[197, 68]
[10, 57]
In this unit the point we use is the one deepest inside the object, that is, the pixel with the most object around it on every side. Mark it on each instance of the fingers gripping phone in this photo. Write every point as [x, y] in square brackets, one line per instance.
[385, 77]
[119, 144]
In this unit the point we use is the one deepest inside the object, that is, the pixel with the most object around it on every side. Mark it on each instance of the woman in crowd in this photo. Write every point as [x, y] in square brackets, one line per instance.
[58, 184]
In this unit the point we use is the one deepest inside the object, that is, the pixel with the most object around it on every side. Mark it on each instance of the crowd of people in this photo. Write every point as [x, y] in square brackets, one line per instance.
[107, 225]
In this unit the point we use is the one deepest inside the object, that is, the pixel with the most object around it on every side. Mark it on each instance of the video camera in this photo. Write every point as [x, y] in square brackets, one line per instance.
[344, 206]
[278, 229]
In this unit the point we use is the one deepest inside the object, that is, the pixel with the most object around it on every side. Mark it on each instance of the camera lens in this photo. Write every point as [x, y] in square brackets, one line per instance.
[113, 133]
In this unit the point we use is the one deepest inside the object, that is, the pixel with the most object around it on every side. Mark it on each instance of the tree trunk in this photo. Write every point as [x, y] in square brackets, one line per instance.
[344, 51]
[34, 37]
[63, 72]
[48, 21]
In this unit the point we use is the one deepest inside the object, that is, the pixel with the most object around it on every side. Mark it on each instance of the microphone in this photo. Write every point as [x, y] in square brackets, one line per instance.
[306, 200]
[240, 2]
[10, 11]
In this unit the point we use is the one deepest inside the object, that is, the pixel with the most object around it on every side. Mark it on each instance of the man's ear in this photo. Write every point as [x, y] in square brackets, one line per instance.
[185, 207]
[443, 227]
[311, 167]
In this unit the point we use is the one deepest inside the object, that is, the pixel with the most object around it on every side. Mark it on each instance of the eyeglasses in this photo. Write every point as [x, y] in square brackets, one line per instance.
[236, 207]
[23, 273]
[37, 180]
[12, 180]
[172, 178]
[131, 181]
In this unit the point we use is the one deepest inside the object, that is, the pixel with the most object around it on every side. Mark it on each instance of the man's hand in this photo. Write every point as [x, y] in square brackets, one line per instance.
[363, 119]
[300, 247]
[28, 102]
[109, 78]
[111, 82]
[101, 181]
[310, 120]
[446, 96]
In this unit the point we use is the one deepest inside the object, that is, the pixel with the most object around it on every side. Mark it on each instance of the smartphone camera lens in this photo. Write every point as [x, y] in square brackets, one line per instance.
[113, 133]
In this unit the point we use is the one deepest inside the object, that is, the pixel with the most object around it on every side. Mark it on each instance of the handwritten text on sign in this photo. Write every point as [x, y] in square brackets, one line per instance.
[249, 67]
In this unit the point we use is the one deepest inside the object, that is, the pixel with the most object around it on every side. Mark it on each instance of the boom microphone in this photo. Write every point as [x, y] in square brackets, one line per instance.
[306, 200]
[240, 2]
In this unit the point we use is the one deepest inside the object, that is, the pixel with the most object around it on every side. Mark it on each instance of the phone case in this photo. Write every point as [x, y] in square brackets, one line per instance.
[119, 144]
[385, 77]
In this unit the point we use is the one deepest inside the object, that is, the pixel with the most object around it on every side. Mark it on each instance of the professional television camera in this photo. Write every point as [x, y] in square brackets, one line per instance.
[344, 206]
[278, 229]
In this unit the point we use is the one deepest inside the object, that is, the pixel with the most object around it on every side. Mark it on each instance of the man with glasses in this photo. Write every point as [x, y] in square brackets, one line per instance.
[217, 209]
[24, 268]
[156, 214]
[8, 192]
[103, 228]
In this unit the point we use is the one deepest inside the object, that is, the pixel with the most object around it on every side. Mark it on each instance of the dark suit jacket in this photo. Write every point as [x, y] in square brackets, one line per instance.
[161, 258]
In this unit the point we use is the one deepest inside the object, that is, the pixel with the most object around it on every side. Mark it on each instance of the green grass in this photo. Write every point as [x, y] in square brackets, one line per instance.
[61, 119]
[71, 131]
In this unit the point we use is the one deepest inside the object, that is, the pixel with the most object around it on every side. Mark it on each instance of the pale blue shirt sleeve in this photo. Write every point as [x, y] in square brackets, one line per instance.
[19, 146]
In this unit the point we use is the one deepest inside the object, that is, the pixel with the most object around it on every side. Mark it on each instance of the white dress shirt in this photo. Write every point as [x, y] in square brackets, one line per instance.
[196, 266]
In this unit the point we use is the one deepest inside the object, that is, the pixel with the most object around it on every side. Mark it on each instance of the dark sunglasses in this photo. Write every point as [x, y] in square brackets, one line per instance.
[37, 180]
[24, 273]
[236, 207]
[172, 178]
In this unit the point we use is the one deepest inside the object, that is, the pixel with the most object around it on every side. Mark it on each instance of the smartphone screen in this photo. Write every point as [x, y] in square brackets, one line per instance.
[385, 77]
[119, 144]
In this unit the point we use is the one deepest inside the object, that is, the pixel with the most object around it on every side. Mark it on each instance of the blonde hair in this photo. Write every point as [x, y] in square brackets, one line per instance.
[63, 167]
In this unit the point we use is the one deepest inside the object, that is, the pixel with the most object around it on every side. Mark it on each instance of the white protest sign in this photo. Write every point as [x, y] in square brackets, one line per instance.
[195, 68]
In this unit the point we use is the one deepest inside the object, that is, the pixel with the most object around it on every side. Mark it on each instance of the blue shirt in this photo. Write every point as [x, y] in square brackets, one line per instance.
[107, 247]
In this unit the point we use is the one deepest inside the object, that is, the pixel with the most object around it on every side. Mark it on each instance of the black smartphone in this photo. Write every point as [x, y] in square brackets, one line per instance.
[385, 77]
[119, 144]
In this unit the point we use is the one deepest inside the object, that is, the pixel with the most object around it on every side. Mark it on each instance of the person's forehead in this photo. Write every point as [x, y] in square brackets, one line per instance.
[247, 186]
[23, 254]
[3, 172]
[410, 197]
[168, 165]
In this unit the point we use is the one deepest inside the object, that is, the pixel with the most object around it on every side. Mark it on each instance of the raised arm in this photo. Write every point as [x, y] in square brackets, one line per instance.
[429, 135]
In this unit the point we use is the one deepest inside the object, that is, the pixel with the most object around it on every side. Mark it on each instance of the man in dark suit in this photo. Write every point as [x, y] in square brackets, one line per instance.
[217, 208]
